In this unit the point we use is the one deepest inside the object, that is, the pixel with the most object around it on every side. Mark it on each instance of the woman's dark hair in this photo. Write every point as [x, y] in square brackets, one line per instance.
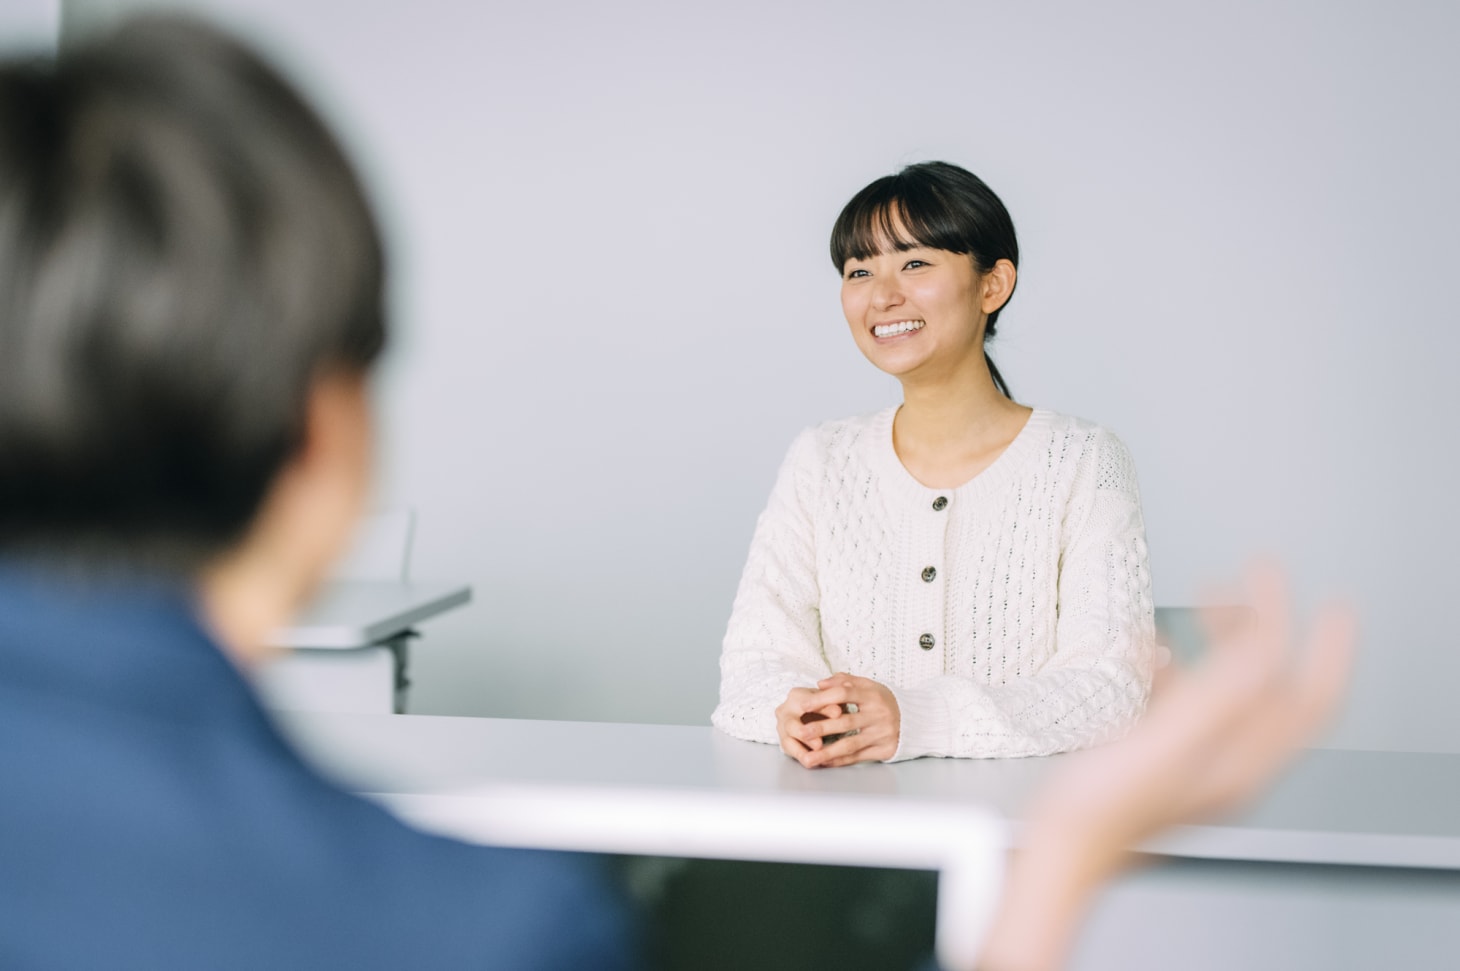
[184, 249]
[932, 204]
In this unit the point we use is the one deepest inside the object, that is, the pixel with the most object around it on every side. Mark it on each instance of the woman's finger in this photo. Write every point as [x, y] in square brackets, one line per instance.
[793, 747]
[872, 737]
[840, 725]
[856, 688]
[798, 701]
[844, 751]
[863, 747]
[832, 696]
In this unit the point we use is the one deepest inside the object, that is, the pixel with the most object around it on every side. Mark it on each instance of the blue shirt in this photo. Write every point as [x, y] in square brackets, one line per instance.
[152, 817]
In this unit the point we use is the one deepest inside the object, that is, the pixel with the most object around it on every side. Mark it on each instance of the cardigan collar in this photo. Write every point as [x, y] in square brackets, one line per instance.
[1008, 467]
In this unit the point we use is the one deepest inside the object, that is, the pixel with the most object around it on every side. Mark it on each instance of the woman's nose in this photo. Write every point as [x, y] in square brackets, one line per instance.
[885, 294]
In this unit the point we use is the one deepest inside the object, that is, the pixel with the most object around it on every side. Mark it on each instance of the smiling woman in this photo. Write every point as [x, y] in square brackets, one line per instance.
[960, 575]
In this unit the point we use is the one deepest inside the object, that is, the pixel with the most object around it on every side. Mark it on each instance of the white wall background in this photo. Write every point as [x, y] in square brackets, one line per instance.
[1239, 225]
[28, 26]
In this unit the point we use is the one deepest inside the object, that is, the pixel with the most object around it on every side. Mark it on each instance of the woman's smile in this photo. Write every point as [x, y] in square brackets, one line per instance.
[897, 328]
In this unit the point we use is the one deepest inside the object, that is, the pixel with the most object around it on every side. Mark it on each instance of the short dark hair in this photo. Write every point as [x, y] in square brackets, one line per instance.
[184, 249]
[938, 205]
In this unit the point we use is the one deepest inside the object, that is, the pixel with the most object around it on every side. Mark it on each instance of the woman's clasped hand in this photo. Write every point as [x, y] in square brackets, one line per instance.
[845, 719]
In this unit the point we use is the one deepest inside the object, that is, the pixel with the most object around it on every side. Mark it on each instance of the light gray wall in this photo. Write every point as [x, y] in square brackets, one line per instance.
[1217, 915]
[29, 26]
[616, 308]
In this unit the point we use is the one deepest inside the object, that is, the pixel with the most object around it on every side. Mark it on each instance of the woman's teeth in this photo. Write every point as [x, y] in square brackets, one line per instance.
[901, 327]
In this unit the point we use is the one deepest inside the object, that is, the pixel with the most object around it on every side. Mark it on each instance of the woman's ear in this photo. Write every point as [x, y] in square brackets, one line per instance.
[998, 285]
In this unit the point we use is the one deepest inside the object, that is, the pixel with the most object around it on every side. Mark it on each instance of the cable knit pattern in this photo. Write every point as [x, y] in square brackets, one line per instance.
[1039, 604]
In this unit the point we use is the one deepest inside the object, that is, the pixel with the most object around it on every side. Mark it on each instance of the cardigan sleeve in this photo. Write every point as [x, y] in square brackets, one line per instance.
[773, 641]
[1094, 686]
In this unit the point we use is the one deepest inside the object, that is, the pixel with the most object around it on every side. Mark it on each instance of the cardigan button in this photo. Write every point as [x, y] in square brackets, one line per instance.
[926, 642]
[928, 574]
[940, 503]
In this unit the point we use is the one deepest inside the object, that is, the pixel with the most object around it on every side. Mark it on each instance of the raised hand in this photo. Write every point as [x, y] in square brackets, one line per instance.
[1211, 739]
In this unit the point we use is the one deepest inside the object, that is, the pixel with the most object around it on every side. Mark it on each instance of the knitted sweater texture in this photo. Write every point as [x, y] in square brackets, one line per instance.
[1010, 616]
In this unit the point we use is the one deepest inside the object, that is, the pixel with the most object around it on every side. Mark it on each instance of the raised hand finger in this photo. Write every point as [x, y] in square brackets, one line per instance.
[1278, 725]
[1321, 672]
[1270, 595]
[1289, 706]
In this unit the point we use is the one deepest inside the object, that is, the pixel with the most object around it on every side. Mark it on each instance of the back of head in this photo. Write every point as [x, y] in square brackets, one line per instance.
[183, 249]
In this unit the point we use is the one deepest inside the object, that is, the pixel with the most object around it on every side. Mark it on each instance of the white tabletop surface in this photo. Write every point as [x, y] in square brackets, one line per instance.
[1362, 808]
[356, 613]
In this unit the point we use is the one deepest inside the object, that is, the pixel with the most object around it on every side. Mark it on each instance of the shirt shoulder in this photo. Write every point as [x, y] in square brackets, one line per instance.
[832, 444]
[1097, 454]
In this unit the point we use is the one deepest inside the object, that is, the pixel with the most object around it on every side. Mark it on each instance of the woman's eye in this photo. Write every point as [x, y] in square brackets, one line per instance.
[853, 274]
[914, 264]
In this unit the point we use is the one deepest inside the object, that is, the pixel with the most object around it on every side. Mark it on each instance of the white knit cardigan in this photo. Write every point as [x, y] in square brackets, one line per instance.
[1009, 616]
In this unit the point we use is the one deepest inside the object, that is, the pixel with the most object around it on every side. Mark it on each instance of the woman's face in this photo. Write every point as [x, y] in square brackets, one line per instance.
[915, 310]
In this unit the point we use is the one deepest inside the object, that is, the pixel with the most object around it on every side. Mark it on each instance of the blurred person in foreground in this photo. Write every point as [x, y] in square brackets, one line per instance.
[190, 307]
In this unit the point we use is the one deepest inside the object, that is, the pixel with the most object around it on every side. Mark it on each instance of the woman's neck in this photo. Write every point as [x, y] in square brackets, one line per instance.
[951, 429]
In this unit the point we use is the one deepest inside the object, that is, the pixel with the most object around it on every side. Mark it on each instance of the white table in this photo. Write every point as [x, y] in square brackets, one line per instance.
[1389, 809]
[349, 650]
[1351, 861]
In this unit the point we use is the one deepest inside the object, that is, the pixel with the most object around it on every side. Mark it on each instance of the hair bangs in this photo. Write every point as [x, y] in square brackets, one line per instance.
[895, 213]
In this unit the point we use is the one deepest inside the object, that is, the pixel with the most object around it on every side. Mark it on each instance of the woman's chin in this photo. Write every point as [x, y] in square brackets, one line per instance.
[897, 362]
